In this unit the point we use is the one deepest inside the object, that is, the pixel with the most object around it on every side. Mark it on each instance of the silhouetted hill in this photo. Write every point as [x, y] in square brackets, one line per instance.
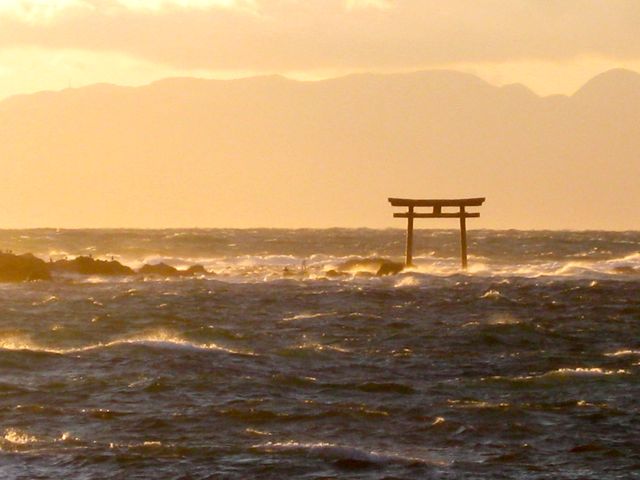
[622, 81]
[269, 151]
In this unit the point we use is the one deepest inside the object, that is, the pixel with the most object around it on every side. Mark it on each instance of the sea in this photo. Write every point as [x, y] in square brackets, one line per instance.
[525, 366]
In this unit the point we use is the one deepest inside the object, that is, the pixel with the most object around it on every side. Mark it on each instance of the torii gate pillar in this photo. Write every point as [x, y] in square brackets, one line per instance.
[437, 212]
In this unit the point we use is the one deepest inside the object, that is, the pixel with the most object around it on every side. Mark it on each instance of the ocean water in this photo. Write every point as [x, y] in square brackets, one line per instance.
[527, 366]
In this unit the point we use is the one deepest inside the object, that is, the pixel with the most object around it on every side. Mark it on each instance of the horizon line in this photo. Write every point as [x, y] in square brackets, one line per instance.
[401, 228]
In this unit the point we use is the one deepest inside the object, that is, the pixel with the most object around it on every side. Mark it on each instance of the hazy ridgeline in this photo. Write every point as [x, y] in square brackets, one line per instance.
[271, 152]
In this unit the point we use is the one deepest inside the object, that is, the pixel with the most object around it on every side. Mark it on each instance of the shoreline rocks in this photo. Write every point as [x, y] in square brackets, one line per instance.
[164, 270]
[22, 268]
[369, 266]
[27, 267]
[91, 266]
[159, 269]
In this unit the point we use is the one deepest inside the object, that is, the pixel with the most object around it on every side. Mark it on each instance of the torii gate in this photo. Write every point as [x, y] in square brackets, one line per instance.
[437, 206]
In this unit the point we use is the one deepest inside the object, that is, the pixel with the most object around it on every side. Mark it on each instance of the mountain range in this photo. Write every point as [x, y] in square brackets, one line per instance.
[270, 151]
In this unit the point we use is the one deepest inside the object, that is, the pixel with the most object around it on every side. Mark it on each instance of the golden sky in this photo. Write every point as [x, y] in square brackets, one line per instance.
[551, 46]
[184, 152]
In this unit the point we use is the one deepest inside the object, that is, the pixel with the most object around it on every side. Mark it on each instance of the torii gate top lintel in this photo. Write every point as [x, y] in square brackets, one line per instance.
[452, 202]
[437, 205]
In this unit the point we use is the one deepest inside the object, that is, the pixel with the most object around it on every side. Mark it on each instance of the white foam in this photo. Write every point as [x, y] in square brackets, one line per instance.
[408, 281]
[319, 347]
[18, 437]
[566, 373]
[309, 316]
[580, 371]
[158, 339]
[503, 319]
[492, 294]
[333, 451]
[621, 353]
[261, 268]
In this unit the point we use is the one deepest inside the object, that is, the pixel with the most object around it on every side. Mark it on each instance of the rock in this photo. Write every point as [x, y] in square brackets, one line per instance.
[335, 274]
[22, 268]
[160, 269]
[375, 265]
[362, 265]
[390, 268]
[164, 270]
[195, 270]
[91, 266]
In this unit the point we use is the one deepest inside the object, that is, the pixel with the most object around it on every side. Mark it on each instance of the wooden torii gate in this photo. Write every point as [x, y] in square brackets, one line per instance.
[437, 205]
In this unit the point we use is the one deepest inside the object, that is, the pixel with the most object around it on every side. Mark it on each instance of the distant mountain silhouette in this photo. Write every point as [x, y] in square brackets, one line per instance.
[268, 151]
[620, 80]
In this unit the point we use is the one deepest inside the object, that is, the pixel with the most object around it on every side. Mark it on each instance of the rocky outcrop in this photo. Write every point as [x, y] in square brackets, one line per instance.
[375, 265]
[195, 270]
[159, 269]
[27, 267]
[22, 268]
[164, 270]
[335, 274]
[91, 266]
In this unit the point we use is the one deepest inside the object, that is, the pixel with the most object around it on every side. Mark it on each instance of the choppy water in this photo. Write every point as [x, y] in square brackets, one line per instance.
[526, 367]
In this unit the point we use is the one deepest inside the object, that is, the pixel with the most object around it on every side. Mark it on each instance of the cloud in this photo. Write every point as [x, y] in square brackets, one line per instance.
[163, 5]
[285, 35]
[40, 11]
[380, 4]
[46, 11]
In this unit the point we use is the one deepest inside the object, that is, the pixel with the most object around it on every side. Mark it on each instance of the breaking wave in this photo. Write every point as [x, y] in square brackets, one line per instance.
[160, 339]
[343, 454]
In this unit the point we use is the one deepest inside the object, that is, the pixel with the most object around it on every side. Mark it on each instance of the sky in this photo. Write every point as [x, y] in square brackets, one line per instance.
[115, 157]
[551, 46]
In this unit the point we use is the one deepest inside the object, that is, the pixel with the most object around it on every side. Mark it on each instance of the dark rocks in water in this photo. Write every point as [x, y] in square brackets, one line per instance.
[390, 268]
[164, 270]
[195, 270]
[160, 269]
[91, 266]
[22, 268]
[375, 265]
[362, 264]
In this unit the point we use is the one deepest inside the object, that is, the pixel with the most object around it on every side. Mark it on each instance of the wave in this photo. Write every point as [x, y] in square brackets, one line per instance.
[309, 316]
[581, 372]
[323, 267]
[160, 339]
[625, 352]
[321, 347]
[307, 348]
[16, 440]
[344, 455]
[562, 256]
[18, 437]
[561, 374]
[408, 281]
